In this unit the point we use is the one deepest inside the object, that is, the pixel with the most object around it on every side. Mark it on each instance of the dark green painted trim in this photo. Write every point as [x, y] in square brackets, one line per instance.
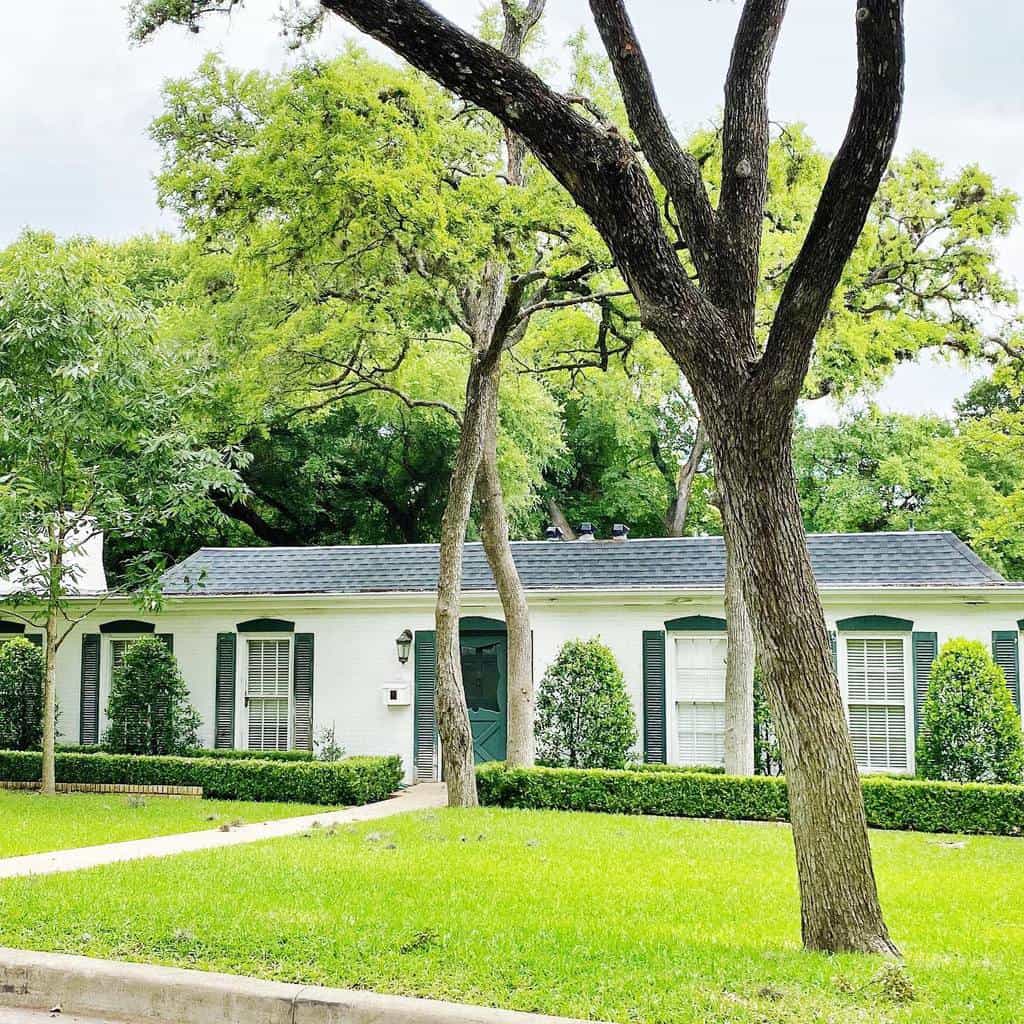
[302, 679]
[655, 700]
[925, 649]
[1006, 654]
[424, 742]
[127, 626]
[7, 628]
[1020, 624]
[89, 694]
[696, 624]
[874, 624]
[35, 638]
[224, 690]
[266, 626]
[481, 624]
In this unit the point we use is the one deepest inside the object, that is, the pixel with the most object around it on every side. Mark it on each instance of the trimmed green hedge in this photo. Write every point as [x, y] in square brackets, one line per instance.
[655, 766]
[354, 780]
[910, 805]
[232, 754]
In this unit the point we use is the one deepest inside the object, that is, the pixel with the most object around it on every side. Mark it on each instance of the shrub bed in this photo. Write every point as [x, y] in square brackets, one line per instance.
[355, 780]
[232, 754]
[909, 805]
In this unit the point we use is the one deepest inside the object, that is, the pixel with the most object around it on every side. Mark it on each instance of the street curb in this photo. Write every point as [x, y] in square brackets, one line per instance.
[146, 994]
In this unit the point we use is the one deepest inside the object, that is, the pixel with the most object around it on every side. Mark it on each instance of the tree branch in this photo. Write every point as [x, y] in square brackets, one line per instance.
[745, 157]
[676, 169]
[846, 198]
[598, 168]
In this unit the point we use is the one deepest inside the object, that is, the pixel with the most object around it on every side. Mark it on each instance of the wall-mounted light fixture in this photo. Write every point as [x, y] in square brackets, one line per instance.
[404, 644]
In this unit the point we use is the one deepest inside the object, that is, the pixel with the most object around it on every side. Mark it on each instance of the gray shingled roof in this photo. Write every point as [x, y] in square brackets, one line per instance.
[840, 560]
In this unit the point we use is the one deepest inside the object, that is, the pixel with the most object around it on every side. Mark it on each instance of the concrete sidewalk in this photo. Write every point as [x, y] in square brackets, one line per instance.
[416, 798]
[109, 991]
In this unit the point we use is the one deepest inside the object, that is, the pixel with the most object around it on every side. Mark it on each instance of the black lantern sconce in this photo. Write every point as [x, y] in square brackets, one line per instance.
[404, 644]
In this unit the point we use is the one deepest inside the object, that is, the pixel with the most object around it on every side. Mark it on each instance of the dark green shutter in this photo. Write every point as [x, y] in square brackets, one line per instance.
[224, 709]
[167, 639]
[925, 648]
[833, 643]
[1004, 652]
[303, 684]
[425, 706]
[655, 748]
[35, 638]
[89, 708]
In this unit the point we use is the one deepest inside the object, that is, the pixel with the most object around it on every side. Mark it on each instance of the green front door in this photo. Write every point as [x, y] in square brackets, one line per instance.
[485, 677]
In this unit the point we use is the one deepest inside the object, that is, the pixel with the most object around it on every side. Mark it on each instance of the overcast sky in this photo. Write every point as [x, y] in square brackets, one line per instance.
[77, 100]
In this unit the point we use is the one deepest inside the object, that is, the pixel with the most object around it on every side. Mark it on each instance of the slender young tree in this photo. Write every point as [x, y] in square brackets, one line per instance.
[91, 438]
[746, 391]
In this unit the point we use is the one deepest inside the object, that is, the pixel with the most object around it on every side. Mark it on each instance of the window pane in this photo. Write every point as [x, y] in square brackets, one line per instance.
[875, 676]
[268, 691]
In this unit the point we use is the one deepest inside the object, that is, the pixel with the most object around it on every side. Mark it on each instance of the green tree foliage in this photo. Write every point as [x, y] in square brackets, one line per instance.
[94, 432]
[21, 695]
[341, 214]
[584, 715]
[149, 709]
[890, 471]
[970, 729]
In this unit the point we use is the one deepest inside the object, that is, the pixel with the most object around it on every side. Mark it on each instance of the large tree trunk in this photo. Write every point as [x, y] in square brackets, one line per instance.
[49, 770]
[453, 725]
[840, 910]
[494, 530]
[739, 674]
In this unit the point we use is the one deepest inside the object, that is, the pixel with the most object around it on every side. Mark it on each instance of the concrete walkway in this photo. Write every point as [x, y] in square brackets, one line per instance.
[416, 798]
[108, 990]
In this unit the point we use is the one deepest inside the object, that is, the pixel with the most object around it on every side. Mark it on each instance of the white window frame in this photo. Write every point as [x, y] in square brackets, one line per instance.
[241, 686]
[908, 687]
[107, 641]
[672, 679]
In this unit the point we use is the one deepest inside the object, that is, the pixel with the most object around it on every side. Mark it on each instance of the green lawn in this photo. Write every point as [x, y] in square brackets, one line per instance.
[628, 919]
[30, 823]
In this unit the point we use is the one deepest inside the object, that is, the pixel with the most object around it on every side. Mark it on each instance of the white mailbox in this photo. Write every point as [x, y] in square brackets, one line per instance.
[397, 695]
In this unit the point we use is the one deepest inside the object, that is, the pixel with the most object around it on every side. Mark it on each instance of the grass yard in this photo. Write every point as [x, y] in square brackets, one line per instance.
[626, 919]
[30, 823]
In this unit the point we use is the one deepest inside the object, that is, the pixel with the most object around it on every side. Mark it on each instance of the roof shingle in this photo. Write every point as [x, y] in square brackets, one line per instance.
[840, 560]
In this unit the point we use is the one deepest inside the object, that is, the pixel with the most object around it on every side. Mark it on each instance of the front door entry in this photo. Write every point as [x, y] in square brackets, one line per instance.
[485, 678]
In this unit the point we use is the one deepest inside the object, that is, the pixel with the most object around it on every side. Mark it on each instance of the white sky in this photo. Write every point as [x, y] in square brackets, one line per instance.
[78, 99]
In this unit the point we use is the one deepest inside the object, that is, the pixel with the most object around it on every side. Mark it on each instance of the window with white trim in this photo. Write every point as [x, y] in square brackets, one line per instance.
[876, 699]
[268, 689]
[119, 647]
[700, 699]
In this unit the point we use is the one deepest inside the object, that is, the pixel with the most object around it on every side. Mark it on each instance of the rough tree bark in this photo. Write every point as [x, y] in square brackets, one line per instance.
[746, 392]
[558, 519]
[739, 673]
[457, 759]
[520, 746]
[675, 518]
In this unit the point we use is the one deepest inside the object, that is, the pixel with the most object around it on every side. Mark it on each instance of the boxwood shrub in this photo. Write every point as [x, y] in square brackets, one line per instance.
[233, 754]
[890, 804]
[354, 780]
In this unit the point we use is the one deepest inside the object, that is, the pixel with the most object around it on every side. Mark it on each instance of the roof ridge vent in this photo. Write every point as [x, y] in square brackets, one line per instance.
[586, 532]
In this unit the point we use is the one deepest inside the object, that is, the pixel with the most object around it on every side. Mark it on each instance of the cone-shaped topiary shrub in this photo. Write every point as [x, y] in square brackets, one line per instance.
[970, 729]
[21, 695]
[584, 716]
[149, 708]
